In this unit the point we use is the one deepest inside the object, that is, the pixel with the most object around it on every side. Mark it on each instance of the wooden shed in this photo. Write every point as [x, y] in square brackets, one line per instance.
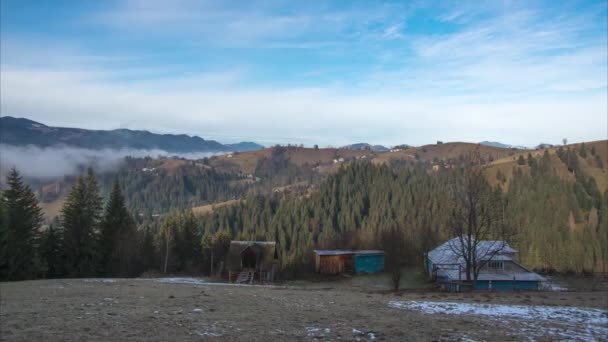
[347, 261]
[334, 261]
[251, 261]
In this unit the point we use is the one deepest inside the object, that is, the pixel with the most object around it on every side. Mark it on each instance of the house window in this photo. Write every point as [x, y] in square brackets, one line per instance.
[496, 265]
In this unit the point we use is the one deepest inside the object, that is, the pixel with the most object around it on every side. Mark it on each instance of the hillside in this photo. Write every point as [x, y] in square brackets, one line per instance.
[589, 165]
[274, 169]
[24, 132]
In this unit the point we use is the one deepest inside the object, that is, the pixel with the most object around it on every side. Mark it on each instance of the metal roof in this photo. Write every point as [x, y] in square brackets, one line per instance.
[332, 252]
[369, 252]
[263, 243]
[347, 252]
[446, 253]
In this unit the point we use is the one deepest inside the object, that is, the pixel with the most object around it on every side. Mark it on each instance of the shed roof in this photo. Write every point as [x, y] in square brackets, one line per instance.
[332, 252]
[347, 252]
[369, 252]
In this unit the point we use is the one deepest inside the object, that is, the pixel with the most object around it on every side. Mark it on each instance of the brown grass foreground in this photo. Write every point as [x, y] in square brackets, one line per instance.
[148, 310]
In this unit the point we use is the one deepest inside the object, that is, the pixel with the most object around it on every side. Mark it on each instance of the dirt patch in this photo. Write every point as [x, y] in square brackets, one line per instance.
[148, 309]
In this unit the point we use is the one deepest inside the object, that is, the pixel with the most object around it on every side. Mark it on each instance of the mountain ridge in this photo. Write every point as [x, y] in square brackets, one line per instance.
[22, 132]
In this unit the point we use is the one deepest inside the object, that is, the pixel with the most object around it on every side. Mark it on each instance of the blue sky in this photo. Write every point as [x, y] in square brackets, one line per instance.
[331, 73]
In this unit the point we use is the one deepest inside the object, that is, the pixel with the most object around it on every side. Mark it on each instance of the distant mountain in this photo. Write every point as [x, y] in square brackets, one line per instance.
[501, 145]
[22, 132]
[244, 146]
[366, 146]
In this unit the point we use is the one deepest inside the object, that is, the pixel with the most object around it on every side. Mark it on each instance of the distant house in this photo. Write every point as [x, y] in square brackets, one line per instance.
[499, 271]
[346, 261]
[252, 261]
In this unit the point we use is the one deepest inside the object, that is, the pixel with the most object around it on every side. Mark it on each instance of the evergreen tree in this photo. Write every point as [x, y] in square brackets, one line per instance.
[521, 160]
[149, 254]
[118, 240]
[50, 252]
[80, 218]
[20, 220]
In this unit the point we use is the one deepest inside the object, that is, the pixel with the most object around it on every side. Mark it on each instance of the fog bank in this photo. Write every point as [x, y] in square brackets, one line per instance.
[59, 161]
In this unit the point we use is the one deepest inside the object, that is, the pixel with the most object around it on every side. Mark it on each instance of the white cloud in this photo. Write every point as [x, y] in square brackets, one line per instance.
[515, 75]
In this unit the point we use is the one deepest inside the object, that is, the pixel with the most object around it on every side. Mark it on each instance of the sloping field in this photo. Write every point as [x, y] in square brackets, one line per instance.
[206, 209]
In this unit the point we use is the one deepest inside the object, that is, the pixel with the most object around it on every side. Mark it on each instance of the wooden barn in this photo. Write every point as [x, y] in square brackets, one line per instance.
[252, 261]
[341, 261]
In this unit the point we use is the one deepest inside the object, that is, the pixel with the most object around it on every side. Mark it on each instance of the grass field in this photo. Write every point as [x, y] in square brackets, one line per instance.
[193, 309]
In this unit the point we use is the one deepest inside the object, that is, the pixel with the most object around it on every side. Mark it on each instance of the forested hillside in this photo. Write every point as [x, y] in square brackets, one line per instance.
[560, 225]
[554, 200]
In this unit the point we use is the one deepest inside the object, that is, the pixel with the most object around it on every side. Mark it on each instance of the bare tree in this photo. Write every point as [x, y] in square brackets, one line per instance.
[565, 141]
[477, 222]
[398, 251]
[391, 243]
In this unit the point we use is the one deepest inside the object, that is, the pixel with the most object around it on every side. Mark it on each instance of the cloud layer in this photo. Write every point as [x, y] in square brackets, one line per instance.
[54, 162]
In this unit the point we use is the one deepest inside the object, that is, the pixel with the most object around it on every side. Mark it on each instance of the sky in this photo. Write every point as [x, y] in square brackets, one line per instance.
[312, 72]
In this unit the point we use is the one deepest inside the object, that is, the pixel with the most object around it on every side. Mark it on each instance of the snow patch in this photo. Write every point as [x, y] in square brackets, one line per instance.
[316, 332]
[582, 323]
[200, 281]
[100, 280]
[197, 310]
[192, 281]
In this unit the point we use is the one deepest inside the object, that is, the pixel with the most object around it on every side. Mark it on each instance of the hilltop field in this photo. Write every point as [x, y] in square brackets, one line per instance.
[192, 309]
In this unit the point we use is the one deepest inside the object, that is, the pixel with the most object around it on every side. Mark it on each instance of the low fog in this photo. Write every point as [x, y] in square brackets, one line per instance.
[59, 161]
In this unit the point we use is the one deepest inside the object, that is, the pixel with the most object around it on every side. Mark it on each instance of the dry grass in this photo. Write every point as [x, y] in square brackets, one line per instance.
[52, 209]
[206, 209]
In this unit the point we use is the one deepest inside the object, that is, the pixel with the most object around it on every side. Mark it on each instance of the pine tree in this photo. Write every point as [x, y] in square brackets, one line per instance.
[50, 252]
[19, 230]
[118, 239]
[80, 218]
[149, 254]
[521, 160]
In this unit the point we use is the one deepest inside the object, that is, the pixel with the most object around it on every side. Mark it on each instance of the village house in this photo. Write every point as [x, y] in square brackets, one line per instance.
[346, 261]
[252, 261]
[499, 271]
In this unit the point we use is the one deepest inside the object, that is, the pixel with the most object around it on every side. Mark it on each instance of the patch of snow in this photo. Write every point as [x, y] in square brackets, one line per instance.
[551, 285]
[583, 323]
[357, 332]
[199, 281]
[192, 281]
[99, 280]
[316, 332]
[197, 310]
[207, 333]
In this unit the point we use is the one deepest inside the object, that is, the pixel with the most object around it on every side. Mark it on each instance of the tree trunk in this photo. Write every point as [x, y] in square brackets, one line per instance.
[166, 255]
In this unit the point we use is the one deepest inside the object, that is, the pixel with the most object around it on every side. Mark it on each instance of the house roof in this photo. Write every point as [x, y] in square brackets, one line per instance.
[447, 252]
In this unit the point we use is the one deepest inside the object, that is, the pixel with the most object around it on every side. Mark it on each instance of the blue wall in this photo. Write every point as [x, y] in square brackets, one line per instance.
[507, 285]
[369, 263]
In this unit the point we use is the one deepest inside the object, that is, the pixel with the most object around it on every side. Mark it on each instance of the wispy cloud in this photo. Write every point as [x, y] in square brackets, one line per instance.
[321, 73]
